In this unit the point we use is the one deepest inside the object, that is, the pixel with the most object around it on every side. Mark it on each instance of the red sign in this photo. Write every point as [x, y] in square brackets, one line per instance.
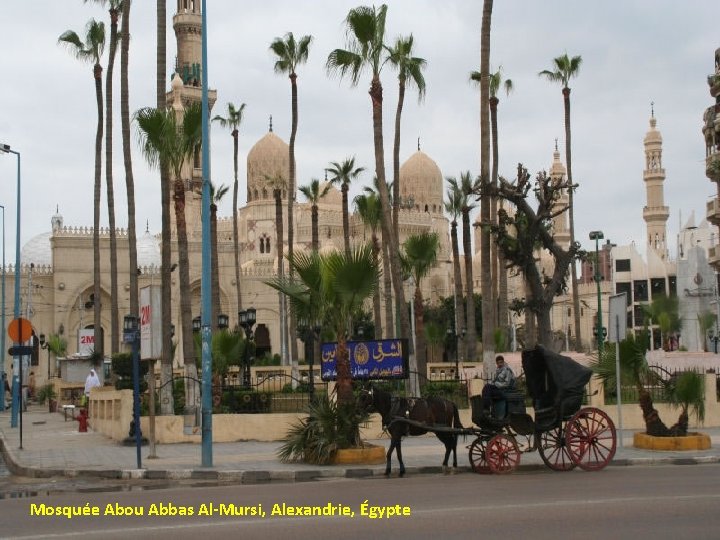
[20, 330]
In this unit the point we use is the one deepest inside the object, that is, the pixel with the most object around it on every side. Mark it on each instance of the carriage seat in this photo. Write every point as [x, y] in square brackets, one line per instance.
[514, 402]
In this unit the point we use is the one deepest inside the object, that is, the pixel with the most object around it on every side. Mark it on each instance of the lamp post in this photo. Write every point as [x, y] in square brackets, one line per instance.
[247, 318]
[223, 321]
[131, 334]
[5, 149]
[2, 328]
[714, 338]
[597, 236]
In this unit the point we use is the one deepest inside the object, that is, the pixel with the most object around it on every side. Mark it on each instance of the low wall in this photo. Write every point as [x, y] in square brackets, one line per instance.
[111, 413]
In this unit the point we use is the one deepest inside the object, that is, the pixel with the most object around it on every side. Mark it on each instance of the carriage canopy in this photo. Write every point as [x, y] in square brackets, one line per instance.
[554, 379]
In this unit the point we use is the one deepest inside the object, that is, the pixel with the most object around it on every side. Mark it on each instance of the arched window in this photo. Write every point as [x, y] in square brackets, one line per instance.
[267, 245]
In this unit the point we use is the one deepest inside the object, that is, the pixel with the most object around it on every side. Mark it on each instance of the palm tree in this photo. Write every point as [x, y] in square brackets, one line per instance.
[467, 187]
[57, 345]
[366, 48]
[332, 288]
[233, 120]
[168, 141]
[90, 51]
[409, 72]
[168, 347]
[343, 174]
[488, 308]
[565, 68]
[127, 158]
[420, 256]
[499, 274]
[368, 207]
[216, 195]
[453, 206]
[290, 54]
[313, 192]
[114, 8]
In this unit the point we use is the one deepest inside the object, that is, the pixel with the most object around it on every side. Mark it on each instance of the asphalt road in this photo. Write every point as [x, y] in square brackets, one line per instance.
[672, 502]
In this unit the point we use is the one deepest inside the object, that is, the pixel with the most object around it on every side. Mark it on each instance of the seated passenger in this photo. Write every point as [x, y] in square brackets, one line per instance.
[504, 379]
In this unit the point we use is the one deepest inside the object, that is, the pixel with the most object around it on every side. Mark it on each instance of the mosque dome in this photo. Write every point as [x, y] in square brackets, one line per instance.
[421, 180]
[332, 197]
[148, 250]
[267, 159]
[37, 250]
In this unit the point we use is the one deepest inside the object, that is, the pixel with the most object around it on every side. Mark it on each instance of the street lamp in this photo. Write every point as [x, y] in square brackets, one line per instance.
[309, 332]
[597, 236]
[131, 334]
[223, 321]
[247, 318]
[5, 149]
[196, 325]
[714, 338]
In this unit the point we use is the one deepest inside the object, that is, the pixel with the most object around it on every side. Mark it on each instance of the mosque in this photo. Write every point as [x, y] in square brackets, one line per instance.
[56, 267]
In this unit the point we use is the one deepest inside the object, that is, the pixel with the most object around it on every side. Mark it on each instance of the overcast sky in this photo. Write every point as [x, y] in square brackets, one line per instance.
[634, 53]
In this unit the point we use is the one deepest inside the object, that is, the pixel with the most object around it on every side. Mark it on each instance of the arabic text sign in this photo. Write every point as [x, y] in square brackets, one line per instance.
[380, 359]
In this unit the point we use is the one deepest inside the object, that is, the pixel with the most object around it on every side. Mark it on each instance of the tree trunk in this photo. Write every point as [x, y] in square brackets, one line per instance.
[166, 364]
[291, 217]
[314, 228]
[396, 163]
[114, 317]
[460, 321]
[97, 289]
[236, 244]
[653, 425]
[499, 289]
[215, 268]
[280, 271]
[390, 322]
[345, 218]
[192, 393]
[386, 218]
[488, 307]
[377, 312]
[571, 209]
[421, 351]
[471, 339]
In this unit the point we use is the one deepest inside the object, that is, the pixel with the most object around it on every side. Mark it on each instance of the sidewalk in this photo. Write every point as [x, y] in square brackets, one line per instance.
[52, 446]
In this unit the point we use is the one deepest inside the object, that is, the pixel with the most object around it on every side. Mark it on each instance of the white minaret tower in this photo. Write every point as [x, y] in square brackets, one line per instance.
[561, 230]
[655, 212]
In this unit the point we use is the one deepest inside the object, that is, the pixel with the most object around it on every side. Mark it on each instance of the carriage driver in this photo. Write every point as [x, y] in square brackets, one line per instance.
[504, 379]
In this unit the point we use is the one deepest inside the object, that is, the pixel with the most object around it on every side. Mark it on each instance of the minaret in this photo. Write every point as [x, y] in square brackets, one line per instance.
[655, 212]
[186, 89]
[561, 230]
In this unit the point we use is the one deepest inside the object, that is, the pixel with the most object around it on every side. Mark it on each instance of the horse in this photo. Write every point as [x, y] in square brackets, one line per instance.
[431, 411]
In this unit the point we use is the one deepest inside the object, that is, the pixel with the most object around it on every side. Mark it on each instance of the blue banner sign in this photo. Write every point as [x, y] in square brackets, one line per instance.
[380, 359]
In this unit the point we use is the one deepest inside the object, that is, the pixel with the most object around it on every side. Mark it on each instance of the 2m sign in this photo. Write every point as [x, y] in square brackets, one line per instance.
[145, 315]
[87, 341]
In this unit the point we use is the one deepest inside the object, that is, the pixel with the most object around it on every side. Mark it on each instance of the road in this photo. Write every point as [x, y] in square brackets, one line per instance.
[619, 503]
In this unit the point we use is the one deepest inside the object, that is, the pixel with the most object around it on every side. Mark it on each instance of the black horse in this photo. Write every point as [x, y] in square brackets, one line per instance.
[406, 416]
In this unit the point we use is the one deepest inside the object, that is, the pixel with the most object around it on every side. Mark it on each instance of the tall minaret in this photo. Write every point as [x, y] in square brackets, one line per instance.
[655, 212]
[186, 87]
[561, 230]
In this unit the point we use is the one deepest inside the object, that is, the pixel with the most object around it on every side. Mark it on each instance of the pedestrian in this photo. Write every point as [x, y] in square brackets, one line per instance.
[31, 385]
[91, 382]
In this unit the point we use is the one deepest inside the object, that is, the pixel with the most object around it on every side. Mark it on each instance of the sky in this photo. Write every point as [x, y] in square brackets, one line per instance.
[633, 53]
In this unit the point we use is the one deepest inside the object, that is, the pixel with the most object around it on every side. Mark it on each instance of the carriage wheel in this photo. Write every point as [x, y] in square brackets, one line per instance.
[502, 454]
[590, 439]
[478, 460]
[554, 451]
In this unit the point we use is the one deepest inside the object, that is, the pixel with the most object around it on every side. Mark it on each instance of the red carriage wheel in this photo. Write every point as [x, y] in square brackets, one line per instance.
[502, 454]
[478, 460]
[553, 450]
[590, 439]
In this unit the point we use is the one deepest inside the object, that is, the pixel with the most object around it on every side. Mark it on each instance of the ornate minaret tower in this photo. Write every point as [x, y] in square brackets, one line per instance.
[561, 231]
[187, 88]
[655, 212]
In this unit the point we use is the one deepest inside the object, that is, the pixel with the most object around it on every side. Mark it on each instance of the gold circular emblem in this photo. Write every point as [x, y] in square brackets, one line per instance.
[362, 355]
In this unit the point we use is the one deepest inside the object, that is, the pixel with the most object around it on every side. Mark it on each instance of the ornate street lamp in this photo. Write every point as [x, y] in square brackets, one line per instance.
[196, 325]
[223, 321]
[247, 318]
[309, 333]
[131, 334]
[45, 345]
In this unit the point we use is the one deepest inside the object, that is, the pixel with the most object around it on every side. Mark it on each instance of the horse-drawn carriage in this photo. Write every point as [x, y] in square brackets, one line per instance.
[565, 433]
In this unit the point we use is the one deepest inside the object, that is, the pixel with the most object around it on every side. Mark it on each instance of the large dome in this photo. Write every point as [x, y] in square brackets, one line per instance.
[421, 180]
[266, 160]
[37, 250]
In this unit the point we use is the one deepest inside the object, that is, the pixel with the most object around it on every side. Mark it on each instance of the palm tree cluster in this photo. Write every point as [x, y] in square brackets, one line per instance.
[170, 137]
